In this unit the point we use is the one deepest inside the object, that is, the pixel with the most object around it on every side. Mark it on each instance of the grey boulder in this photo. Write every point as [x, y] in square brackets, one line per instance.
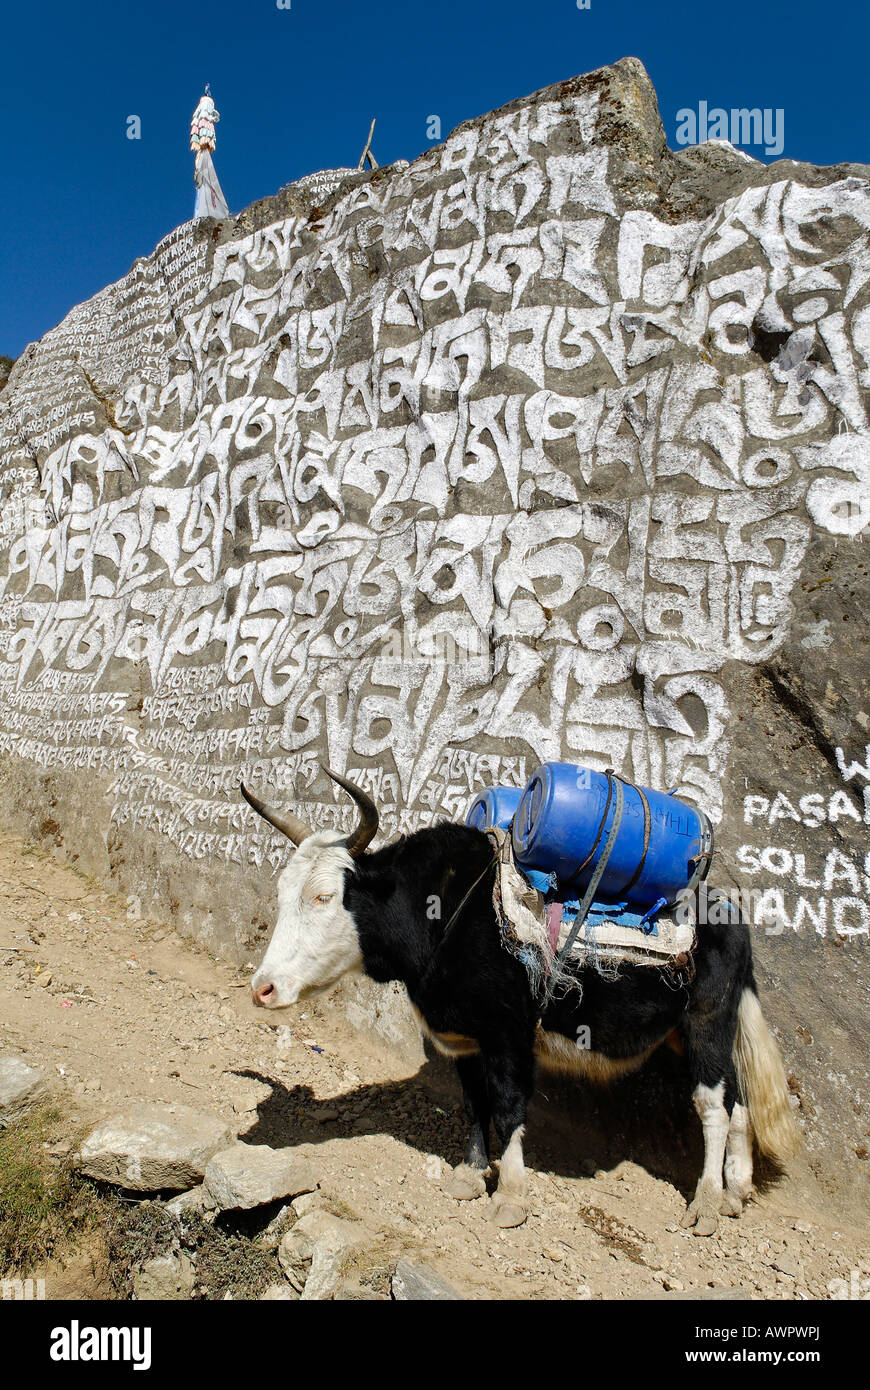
[20, 1086]
[415, 1283]
[153, 1147]
[250, 1175]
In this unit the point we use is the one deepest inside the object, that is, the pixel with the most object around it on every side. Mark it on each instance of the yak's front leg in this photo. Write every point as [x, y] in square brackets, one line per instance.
[511, 1080]
[468, 1180]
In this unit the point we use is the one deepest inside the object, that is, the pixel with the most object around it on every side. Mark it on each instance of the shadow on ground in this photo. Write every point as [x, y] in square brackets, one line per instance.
[573, 1129]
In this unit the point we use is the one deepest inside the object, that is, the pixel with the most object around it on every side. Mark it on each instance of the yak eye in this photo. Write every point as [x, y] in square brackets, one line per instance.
[323, 898]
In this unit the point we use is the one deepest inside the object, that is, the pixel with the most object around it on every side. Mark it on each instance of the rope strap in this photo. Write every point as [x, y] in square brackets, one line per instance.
[484, 871]
[589, 895]
[647, 826]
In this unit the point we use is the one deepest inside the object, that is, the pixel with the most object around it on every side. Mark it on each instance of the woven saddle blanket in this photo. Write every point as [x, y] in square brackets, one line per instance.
[524, 917]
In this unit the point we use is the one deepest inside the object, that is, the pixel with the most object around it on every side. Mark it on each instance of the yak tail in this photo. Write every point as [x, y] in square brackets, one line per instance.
[761, 1075]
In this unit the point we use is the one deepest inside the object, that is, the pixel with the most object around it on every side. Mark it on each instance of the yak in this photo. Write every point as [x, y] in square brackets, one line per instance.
[420, 911]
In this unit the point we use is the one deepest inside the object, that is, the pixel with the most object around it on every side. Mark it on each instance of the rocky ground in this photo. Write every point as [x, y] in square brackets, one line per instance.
[114, 1010]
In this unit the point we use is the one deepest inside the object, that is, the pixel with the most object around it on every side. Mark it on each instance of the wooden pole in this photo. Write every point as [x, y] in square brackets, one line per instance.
[367, 152]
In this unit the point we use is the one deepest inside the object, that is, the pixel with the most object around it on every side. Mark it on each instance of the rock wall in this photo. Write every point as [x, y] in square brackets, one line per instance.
[552, 443]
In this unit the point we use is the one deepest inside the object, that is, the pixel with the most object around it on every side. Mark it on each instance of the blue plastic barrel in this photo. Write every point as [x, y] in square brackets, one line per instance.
[558, 829]
[493, 808]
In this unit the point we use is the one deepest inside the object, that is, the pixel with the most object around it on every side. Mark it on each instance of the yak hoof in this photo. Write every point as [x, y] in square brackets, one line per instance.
[702, 1214]
[465, 1183]
[507, 1211]
[732, 1205]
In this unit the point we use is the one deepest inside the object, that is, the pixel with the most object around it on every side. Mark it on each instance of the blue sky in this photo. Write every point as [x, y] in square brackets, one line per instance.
[297, 88]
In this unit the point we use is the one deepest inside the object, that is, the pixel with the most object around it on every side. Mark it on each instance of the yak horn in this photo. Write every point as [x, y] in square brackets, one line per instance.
[368, 821]
[289, 825]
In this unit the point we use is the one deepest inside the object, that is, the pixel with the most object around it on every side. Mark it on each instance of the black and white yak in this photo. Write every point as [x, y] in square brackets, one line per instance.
[343, 909]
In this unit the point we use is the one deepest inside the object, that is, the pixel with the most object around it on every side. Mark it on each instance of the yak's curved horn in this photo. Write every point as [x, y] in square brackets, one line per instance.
[368, 821]
[290, 825]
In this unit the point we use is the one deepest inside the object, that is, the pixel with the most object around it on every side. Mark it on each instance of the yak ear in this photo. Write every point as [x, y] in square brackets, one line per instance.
[295, 829]
[368, 820]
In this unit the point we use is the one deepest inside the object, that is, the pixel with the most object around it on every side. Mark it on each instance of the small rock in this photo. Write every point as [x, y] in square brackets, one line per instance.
[313, 1254]
[250, 1175]
[804, 1226]
[417, 1282]
[278, 1293]
[197, 1199]
[165, 1278]
[271, 1236]
[787, 1265]
[672, 1284]
[20, 1086]
[309, 1201]
[151, 1147]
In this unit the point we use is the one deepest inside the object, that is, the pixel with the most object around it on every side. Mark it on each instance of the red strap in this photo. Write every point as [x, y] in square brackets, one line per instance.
[554, 924]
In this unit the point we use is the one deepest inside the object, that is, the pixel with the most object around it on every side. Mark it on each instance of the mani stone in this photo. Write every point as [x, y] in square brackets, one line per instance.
[153, 1147]
[250, 1175]
[413, 1283]
[20, 1086]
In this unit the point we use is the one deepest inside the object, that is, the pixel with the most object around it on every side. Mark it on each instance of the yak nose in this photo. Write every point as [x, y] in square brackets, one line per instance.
[264, 996]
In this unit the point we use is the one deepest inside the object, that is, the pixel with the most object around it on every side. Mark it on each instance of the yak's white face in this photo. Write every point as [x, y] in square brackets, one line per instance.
[315, 940]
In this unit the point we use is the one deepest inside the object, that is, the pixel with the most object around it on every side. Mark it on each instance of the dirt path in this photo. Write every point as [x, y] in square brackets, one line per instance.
[116, 1009]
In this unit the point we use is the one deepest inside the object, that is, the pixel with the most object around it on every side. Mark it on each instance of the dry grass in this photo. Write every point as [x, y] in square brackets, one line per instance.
[44, 1204]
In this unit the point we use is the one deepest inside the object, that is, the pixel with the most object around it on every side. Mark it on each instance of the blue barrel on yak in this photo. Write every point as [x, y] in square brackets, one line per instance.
[563, 822]
[493, 808]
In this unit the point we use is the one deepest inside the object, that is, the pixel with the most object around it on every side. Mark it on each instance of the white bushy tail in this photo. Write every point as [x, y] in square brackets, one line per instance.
[762, 1080]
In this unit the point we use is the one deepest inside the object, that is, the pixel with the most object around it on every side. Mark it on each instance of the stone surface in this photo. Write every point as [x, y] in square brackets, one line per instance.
[551, 444]
[351, 1291]
[417, 1282]
[269, 1238]
[20, 1086]
[315, 1253]
[250, 1175]
[165, 1278]
[279, 1293]
[153, 1147]
[196, 1199]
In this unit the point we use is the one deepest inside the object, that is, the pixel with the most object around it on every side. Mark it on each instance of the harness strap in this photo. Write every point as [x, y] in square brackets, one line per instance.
[455, 916]
[609, 774]
[589, 895]
[452, 922]
[647, 827]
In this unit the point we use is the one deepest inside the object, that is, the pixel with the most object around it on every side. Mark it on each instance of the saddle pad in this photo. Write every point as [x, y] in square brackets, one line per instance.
[522, 912]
